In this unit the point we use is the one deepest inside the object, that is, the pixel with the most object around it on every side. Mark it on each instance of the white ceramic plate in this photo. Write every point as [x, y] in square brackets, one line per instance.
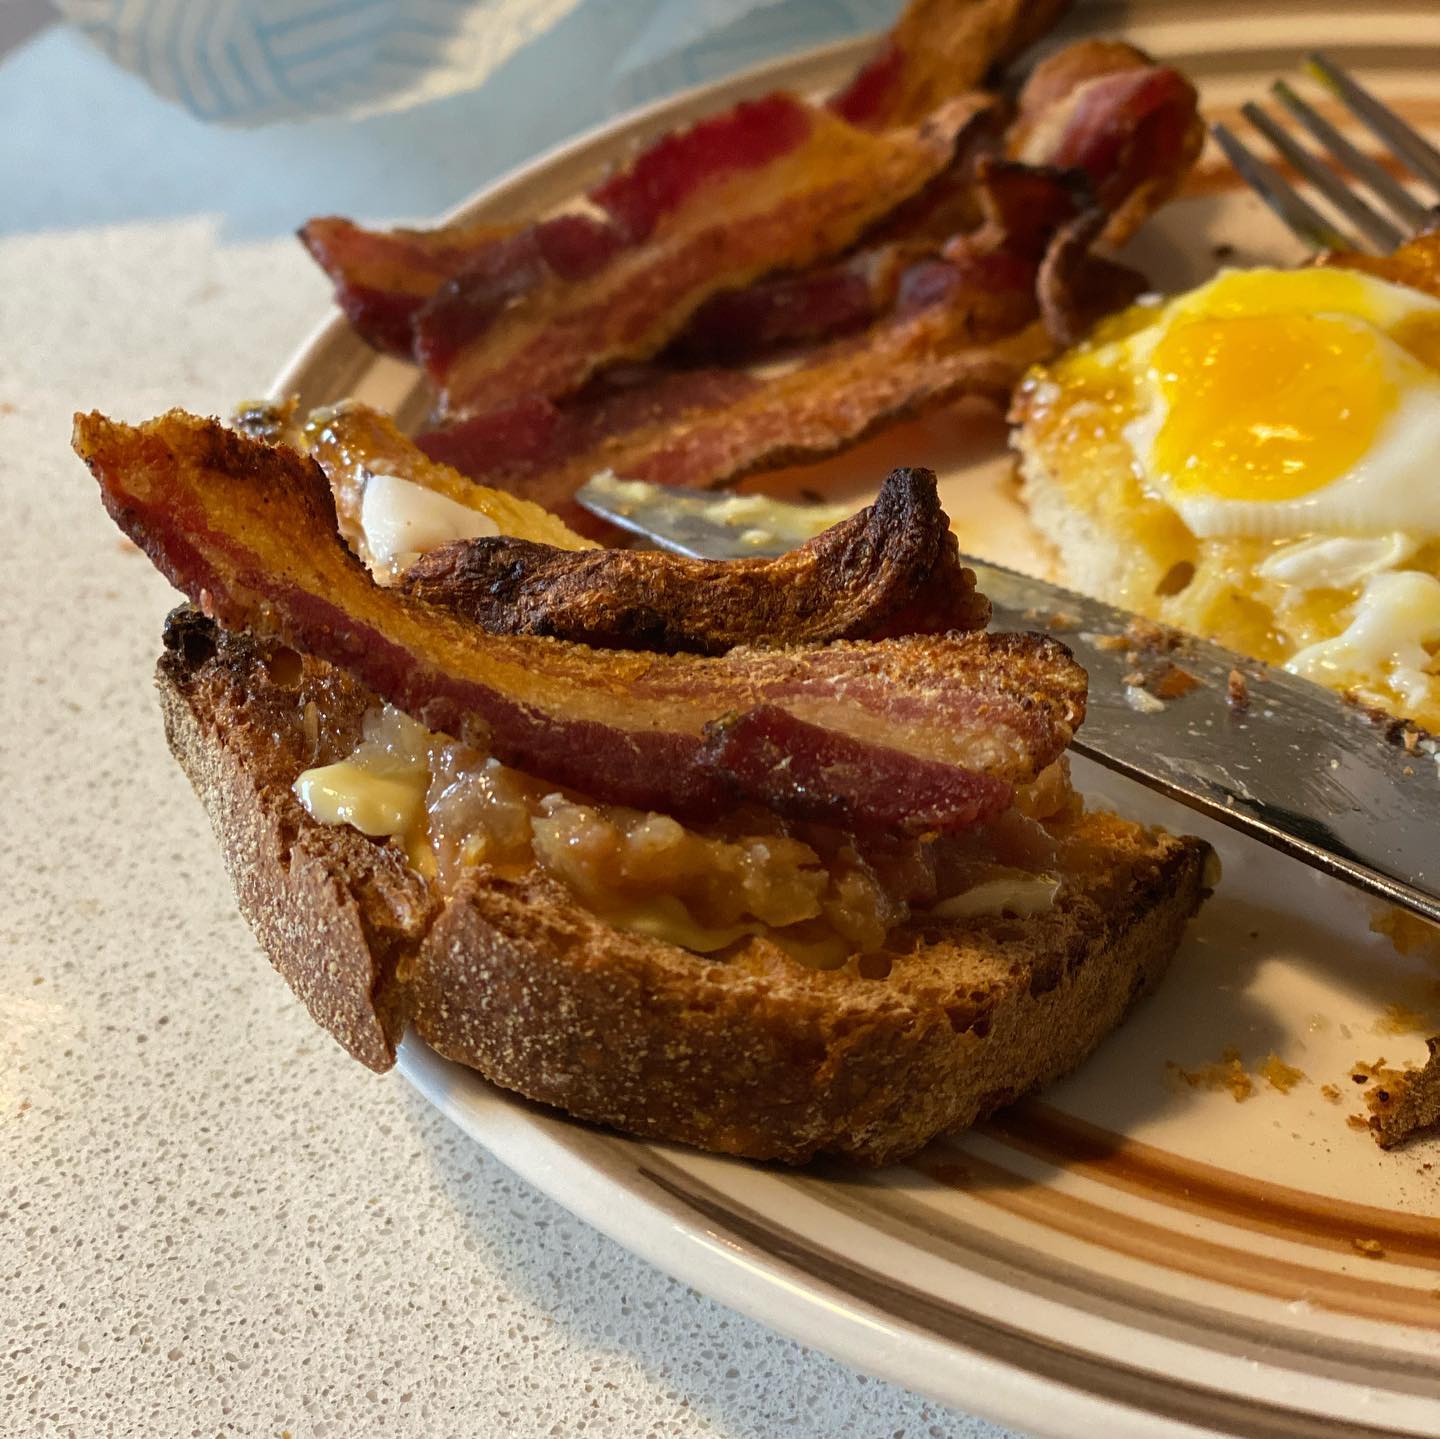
[1128, 1255]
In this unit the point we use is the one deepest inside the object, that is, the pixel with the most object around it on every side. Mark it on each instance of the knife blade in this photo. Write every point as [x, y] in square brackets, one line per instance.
[1344, 789]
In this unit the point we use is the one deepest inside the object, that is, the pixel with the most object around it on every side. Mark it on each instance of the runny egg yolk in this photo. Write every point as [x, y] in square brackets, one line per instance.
[1274, 403]
[1267, 407]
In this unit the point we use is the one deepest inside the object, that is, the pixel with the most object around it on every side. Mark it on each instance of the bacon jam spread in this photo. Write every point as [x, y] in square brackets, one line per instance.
[819, 894]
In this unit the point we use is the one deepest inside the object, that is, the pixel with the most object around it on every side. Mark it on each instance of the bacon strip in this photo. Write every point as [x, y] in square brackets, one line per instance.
[1132, 127]
[891, 569]
[247, 530]
[941, 48]
[704, 429]
[384, 277]
[487, 337]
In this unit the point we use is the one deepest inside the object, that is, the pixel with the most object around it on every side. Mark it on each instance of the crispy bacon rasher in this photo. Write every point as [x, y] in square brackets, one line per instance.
[940, 48]
[1105, 109]
[891, 569]
[971, 333]
[805, 185]
[384, 278]
[882, 735]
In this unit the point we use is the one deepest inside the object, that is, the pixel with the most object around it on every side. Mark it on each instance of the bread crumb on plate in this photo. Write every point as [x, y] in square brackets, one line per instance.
[1405, 1103]
[1279, 1075]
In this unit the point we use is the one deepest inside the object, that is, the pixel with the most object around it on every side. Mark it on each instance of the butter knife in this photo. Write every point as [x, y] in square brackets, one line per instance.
[1270, 754]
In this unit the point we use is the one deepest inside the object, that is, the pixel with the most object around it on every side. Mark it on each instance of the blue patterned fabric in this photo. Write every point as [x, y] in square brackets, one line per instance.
[246, 62]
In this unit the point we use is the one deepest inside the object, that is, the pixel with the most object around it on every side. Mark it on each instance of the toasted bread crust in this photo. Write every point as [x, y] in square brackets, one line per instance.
[334, 911]
[756, 1055]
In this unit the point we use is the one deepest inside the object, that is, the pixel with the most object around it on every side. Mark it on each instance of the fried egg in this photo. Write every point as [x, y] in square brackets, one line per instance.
[1285, 402]
[1258, 460]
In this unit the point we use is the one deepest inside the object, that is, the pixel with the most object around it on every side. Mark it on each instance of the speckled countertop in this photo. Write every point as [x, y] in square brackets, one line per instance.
[211, 1221]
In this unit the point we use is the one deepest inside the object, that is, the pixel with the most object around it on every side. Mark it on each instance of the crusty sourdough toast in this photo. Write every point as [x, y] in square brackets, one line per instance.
[754, 1055]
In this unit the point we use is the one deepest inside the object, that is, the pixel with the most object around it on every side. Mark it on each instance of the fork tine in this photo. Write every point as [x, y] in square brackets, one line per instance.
[1302, 219]
[1385, 186]
[1329, 184]
[1383, 122]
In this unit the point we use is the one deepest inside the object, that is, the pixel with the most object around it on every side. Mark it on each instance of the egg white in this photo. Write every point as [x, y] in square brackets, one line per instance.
[1393, 626]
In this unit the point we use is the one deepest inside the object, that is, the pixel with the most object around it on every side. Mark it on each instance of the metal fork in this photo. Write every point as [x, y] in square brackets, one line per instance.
[1407, 215]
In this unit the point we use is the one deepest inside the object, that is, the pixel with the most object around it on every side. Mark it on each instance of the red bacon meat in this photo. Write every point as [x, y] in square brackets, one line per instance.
[383, 279]
[941, 48]
[949, 724]
[782, 191]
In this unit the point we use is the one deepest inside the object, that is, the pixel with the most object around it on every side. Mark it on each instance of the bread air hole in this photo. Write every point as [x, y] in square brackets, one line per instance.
[964, 1020]
[285, 668]
[874, 965]
[1175, 579]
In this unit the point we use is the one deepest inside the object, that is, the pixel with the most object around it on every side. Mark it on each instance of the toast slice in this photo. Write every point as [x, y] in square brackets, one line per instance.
[754, 1055]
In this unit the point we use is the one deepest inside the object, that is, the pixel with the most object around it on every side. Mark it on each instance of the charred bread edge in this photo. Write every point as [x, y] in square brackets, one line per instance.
[755, 1056]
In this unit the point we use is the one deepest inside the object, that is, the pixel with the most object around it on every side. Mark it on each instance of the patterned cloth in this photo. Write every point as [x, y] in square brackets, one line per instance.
[248, 62]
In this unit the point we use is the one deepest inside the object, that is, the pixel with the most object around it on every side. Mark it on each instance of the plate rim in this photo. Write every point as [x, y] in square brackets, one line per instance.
[548, 1150]
[543, 1148]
